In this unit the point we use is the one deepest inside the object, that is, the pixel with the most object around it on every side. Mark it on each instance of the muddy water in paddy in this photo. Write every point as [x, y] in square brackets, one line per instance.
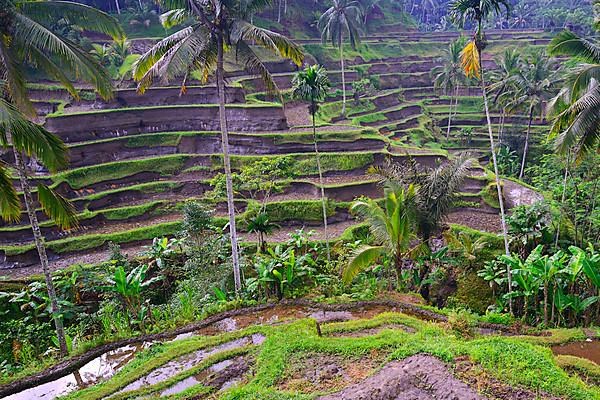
[583, 349]
[93, 372]
[187, 361]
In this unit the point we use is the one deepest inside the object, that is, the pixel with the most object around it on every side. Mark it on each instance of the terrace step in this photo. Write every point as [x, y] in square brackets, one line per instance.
[122, 122]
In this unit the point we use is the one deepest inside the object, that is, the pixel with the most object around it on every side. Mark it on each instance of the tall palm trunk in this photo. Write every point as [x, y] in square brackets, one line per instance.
[318, 157]
[497, 176]
[546, 303]
[449, 117]
[562, 200]
[501, 129]
[40, 246]
[526, 142]
[227, 164]
[343, 75]
[118, 7]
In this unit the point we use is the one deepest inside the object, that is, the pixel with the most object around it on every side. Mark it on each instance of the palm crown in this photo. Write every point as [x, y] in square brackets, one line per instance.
[342, 17]
[194, 47]
[311, 84]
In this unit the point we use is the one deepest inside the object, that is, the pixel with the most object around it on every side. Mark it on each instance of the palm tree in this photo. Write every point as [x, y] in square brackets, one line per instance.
[212, 28]
[312, 85]
[533, 85]
[507, 65]
[478, 11]
[28, 40]
[261, 225]
[575, 111]
[391, 226]
[450, 75]
[344, 16]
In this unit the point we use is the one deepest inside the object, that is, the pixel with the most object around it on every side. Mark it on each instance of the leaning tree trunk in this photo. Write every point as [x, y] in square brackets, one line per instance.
[526, 142]
[343, 76]
[40, 246]
[498, 187]
[323, 202]
[227, 165]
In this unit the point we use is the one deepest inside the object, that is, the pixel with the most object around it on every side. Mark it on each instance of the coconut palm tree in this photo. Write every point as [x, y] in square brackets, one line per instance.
[508, 64]
[343, 17]
[211, 29]
[28, 40]
[449, 76]
[575, 110]
[391, 226]
[312, 85]
[478, 11]
[533, 86]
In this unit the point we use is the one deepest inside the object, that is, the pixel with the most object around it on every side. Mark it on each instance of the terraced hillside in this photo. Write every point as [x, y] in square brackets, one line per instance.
[303, 350]
[137, 158]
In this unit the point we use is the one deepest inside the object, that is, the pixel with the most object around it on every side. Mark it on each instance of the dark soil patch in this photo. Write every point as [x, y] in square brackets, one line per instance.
[476, 220]
[420, 377]
[491, 387]
[316, 372]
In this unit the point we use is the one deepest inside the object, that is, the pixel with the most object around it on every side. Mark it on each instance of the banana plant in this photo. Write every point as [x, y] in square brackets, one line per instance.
[545, 269]
[129, 287]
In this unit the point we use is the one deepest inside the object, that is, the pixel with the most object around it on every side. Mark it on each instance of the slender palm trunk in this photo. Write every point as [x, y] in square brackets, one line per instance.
[343, 76]
[118, 6]
[449, 119]
[501, 129]
[546, 303]
[498, 186]
[323, 202]
[526, 142]
[227, 165]
[279, 11]
[562, 200]
[40, 246]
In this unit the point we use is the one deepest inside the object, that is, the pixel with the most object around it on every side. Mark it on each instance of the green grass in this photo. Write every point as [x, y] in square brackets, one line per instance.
[81, 177]
[160, 108]
[87, 242]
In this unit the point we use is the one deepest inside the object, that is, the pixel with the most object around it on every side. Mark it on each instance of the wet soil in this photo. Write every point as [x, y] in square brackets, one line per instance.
[187, 361]
[97, 370]
[420, 377]
[589, 349]
[219, 376]
[317, 372]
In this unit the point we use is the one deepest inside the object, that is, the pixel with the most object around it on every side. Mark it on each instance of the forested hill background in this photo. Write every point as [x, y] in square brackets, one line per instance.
[297, 18]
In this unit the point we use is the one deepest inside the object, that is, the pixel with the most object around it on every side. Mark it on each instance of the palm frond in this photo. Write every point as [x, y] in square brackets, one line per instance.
[12, 75]
[567, 43]
[10, 204]
[279, 44]
[30, 138]
[57, 208]
[251, 63]
[174, 17]
[363, 258]
[30, 33]
[469, 59]
[84, 16]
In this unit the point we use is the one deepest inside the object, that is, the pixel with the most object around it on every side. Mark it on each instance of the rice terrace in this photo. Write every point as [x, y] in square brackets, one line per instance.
[300, 199]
